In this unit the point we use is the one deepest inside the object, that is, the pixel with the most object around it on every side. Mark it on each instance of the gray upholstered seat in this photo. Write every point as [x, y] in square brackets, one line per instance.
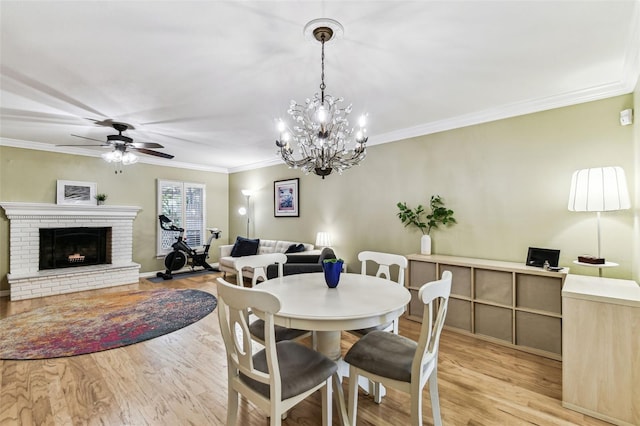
[282, 333]
[300, 369]
[385, 354]
[399, 362]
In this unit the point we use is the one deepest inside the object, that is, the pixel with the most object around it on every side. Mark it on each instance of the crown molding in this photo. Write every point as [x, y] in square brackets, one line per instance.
[39, 146]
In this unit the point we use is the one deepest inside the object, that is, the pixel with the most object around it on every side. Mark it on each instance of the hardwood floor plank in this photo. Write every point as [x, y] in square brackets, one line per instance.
[180, 379]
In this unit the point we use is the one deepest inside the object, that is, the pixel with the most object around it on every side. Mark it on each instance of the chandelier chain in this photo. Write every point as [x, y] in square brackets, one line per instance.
[322, 85]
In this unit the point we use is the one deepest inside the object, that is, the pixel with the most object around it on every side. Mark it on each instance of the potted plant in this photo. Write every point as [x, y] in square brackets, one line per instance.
[100, 198]
[440, 215]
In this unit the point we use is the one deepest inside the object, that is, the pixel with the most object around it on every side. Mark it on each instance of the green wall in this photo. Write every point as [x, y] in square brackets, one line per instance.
[507, 181]
[30, 176]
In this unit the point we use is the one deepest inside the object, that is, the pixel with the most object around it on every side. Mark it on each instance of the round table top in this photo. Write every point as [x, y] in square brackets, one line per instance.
[359, 301]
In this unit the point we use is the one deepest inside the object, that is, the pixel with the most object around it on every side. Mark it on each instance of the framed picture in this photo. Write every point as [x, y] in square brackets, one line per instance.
[75, 192]
[286, 198]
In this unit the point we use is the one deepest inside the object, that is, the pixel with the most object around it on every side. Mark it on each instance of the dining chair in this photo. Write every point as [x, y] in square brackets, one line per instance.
[277, 377]
[259, 264]
[383, 261]
[402, 363]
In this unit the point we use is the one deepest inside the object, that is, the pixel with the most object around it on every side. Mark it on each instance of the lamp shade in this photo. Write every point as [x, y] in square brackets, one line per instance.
[599, 189]
[323, 239]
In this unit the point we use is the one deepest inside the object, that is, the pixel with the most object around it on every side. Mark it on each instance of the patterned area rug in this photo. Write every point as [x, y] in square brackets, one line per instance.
[86, 325]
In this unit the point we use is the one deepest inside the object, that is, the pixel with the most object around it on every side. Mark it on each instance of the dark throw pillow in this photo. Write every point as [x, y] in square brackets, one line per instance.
[292, 249]
[300, 248]
[245, 247]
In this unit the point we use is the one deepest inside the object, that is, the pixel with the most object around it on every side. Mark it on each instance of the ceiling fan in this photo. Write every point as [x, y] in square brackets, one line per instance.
[120, 143]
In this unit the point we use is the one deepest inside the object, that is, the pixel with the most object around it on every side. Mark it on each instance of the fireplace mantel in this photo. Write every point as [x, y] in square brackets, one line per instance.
[22, 210]
[25, 221]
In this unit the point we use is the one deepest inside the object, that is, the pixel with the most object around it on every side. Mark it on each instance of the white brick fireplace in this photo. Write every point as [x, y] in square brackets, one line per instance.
[26, 281]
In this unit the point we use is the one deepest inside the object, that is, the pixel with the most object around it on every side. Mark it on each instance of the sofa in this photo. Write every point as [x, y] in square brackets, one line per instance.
[302, 263]
[247, 247]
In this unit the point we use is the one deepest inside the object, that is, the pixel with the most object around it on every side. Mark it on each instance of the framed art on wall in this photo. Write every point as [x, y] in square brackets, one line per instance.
[286, 198]
[75, 192]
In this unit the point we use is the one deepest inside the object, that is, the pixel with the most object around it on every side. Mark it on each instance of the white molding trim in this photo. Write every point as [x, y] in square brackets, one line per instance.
[21, 210]
[39, 146]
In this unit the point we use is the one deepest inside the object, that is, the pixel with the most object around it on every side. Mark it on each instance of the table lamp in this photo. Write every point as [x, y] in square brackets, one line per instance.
[599, 189]
[323, 239]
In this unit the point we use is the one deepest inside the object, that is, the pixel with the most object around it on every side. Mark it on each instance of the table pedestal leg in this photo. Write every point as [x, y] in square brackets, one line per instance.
[329, 345]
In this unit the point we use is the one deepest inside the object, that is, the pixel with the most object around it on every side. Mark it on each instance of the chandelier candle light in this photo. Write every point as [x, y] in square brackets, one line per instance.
[320, 138]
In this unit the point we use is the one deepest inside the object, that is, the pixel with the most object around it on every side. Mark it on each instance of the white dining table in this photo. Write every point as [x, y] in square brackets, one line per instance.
[359, 301]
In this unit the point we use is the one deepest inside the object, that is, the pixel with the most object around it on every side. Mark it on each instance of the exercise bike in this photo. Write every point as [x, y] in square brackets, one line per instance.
[182, 254]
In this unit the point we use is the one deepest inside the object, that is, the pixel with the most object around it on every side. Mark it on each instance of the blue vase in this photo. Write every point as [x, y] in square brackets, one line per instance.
[332, 273]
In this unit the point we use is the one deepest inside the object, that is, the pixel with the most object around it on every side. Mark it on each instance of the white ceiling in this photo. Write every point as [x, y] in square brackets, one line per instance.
[207, 79]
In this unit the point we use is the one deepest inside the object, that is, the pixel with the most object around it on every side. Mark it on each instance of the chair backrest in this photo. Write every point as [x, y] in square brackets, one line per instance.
[384, 260]
[259, 263]
[234, 303]
[435, 296]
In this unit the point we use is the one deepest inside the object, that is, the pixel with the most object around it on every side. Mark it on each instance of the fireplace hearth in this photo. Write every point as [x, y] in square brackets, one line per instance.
[82, 248]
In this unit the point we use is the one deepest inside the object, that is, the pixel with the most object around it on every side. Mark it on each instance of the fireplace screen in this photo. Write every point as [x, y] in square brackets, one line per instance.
[70, 247]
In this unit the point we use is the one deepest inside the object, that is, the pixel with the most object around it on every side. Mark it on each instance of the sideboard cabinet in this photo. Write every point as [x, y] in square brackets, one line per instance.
[503, 302]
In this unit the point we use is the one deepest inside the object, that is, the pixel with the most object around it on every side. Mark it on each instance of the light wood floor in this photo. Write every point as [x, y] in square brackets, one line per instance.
[180, 379]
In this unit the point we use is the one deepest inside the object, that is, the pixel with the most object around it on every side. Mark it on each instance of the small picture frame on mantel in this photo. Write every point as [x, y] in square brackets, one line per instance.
[76, 192]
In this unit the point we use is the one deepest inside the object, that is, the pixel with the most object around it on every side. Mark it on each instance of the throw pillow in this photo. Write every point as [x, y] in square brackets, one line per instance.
[245, 247]
[299, 248]
[292, 249]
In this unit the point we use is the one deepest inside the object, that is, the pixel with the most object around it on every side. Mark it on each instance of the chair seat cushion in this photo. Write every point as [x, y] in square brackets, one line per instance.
[385, 354]
[301, 369]
[256, 328]
[364, 331]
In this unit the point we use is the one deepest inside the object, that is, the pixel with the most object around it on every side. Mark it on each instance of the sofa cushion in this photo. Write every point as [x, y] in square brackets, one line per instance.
[245, 247]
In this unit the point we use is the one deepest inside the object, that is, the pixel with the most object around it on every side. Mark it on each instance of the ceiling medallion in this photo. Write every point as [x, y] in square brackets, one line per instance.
[320, 139]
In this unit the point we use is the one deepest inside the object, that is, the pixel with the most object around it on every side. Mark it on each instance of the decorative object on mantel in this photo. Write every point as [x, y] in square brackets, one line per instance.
[598, 189]
[83, 325]
[332, 269]
[439, 215]
[101, 198]
[321, 136]
[76, 192]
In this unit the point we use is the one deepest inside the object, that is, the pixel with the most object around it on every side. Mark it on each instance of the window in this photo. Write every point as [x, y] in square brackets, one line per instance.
[183, 203]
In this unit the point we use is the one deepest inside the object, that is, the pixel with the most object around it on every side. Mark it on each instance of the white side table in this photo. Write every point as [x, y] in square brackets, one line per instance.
[597, 265]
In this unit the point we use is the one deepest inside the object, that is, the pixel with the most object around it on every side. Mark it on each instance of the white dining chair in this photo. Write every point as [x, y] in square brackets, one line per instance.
[259, 264]
[277, 377]
[402, 363]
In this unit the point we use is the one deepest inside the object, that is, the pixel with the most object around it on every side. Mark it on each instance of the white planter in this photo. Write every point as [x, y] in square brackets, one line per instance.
[425, 244]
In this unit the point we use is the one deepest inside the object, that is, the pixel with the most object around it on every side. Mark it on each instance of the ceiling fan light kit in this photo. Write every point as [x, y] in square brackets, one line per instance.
[320, 139]
[122, 146]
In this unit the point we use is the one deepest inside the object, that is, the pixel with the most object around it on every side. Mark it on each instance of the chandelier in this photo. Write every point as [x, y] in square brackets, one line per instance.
[320, 139]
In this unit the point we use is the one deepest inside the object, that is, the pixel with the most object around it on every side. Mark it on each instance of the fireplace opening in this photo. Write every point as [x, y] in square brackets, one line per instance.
[72, 247]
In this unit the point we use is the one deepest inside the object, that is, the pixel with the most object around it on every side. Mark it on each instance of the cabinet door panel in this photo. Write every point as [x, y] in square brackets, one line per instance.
[494, 286]
[539, 332]
[493, 321]
[461, 279]
[421, 273]
[540, 293]
[459, 314]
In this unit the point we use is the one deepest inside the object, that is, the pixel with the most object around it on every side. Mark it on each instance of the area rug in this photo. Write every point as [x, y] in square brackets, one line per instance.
[186, 274]
[87, 325]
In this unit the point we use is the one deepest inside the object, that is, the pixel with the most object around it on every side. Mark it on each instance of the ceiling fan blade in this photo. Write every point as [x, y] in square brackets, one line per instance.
[82, 146]
[146, 145]
[151, 152]
[91, 139]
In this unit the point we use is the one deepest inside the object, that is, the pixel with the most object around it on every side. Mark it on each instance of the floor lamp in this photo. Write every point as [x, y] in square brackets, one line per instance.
[599, 189]
[245, 210]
